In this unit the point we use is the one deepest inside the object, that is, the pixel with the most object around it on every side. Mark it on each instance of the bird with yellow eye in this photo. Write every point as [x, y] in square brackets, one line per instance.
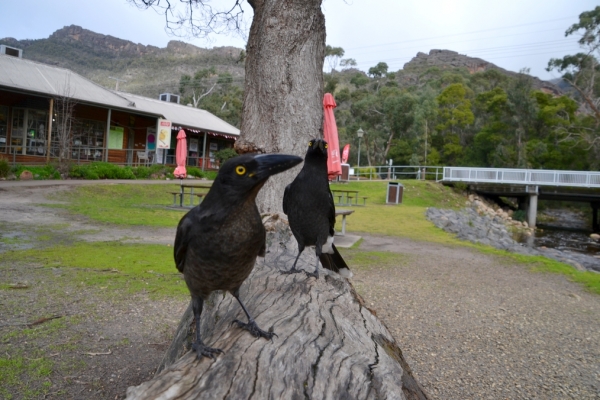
[218, 241]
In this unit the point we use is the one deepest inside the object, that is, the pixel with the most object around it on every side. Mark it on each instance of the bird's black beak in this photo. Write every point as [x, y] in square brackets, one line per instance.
[322, 147]
[271, 164]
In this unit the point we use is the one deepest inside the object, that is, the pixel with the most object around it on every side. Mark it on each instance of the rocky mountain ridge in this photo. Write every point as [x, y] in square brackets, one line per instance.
[149, 70]
[451, 59]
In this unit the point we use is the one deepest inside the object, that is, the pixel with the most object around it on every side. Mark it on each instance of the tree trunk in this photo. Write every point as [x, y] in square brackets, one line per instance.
[329, 344]
[283, 97]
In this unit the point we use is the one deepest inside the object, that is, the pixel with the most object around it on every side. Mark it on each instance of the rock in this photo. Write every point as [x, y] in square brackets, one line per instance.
[595, 236]
[577, 266]
[26, 176]
[490, 229]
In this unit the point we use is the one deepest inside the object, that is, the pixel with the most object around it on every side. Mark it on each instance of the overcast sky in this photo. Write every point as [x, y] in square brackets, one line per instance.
[512, 34]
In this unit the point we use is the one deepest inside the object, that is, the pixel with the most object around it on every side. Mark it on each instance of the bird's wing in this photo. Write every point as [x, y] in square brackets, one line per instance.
[286, 198]
[331, 214]
[181, 242]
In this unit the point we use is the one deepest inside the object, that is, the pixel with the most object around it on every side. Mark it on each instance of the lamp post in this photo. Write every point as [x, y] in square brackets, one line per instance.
[360, 134]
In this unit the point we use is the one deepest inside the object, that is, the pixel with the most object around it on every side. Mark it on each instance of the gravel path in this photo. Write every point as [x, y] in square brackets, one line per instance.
[471, 326]
[474, 326]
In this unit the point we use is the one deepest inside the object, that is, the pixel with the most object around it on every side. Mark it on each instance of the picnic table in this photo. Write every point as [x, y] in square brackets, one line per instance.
[344, 214]
[183, 192]
[348, 197]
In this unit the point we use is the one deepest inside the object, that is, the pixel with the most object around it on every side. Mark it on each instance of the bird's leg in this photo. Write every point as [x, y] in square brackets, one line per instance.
[251, 325]
[318, 253]
[199, 347]
[294, 270]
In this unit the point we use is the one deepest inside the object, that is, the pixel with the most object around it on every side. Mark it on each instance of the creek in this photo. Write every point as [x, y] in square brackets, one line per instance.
[564, 230]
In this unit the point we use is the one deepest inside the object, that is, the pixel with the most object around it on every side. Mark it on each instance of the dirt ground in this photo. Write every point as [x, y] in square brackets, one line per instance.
[471, 326]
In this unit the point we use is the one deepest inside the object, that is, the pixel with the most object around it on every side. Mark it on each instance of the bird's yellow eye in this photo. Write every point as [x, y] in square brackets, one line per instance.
[326, 145]
[310, 143]
[240, 170]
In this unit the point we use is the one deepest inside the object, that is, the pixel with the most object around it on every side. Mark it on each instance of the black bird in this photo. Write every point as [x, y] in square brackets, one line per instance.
[217, 242]
[308, 203]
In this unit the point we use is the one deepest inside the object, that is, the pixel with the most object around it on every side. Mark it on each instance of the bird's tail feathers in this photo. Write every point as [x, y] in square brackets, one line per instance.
[328, 246]
[346, 273]
[335, 262]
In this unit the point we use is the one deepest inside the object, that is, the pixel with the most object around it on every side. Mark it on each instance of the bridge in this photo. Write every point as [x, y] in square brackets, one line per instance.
[529, 185]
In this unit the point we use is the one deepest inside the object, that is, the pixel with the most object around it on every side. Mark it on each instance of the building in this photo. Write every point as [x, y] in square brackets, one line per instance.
[47, 111]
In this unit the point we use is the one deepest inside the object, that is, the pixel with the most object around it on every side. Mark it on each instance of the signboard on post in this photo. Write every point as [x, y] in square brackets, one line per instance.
[164, 134]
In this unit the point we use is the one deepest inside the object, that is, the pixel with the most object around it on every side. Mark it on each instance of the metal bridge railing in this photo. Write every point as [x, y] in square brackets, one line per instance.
[393, 172]
[540, 177]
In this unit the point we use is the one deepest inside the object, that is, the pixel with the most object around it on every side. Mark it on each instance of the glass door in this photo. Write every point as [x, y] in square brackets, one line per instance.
[36, 132]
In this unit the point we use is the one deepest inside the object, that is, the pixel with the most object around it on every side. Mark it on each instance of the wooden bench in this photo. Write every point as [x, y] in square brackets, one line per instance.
[344, 214]
[351, 203]
[184, 193]
[175, 194]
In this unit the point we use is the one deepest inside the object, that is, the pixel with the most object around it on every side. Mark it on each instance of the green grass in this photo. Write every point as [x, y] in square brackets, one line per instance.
[111, 266]
[123, 204]
[406, 219]
[17, 371]
[145, 205]
[590, 280]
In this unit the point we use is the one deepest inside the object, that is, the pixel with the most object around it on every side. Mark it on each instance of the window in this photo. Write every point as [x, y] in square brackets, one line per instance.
[28, 135]
[87, 140]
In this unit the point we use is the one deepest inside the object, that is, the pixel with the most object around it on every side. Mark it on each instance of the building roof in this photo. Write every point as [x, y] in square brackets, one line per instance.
[184, 116]
[33, 77]
[49, 80]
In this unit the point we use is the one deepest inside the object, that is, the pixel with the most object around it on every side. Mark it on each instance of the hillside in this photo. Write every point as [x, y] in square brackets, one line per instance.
[447, 59]
[150, 70]
[146, 70]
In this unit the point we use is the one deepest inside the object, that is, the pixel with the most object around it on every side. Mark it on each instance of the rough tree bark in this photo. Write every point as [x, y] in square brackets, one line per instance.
[329, 344]
[283, 97]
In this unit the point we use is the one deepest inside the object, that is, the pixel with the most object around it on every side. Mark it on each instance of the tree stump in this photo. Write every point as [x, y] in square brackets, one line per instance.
[329, 345]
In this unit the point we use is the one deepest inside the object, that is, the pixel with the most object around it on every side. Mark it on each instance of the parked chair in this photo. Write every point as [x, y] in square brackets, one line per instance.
[143, 156]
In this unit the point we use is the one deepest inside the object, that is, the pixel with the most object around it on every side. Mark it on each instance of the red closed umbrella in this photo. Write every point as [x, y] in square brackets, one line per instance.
[181, 155]
[330, 134]
[345, 153]
[180, 158]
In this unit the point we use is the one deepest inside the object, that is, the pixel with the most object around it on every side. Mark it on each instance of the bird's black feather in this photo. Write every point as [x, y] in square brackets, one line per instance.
[308, 203]
[217, 242]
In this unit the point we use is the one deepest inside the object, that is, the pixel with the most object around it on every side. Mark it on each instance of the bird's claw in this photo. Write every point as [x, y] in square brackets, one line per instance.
[254, 329]
[292, 271]
[312, 274]
[204, 351]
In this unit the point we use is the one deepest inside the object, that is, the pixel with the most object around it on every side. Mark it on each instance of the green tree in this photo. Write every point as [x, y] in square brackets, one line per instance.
[453, 119]
[399, 116]
[348, 63]
[333, 56]
[581, 71]
[200, 85]
[378, 72]
[522, 109]
[359, 80]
